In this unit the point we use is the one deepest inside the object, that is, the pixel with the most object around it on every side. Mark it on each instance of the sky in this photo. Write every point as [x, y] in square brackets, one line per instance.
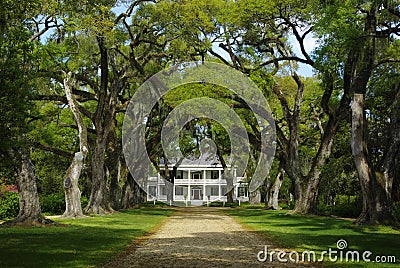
[309, 44]
[303, 70]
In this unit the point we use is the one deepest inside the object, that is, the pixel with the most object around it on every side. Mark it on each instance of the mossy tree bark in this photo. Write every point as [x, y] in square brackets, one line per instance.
[377, 207]
[30, 212]
[73, 208]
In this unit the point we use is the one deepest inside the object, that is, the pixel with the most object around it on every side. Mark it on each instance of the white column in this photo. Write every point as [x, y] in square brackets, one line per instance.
[157, 189]
[204, 184]
[219, 184]
[204, 191]
[173, 192]
[189, 194]
[236, 191]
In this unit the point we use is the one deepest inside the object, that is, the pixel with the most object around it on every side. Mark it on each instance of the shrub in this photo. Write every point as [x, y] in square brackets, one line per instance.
[52, 204]
[9, 205]
[285, 204]
[6, 188]
[223, 204]
[345, 206]
[396, 209]
[84, 201]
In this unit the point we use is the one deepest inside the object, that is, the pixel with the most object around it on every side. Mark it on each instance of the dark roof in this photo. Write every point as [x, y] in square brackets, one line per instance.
[204, 159]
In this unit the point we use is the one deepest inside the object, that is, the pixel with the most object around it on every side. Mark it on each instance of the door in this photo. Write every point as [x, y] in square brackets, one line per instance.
[196, 194]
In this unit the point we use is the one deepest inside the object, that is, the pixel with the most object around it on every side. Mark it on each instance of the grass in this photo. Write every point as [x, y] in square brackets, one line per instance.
[316, 233]
[84, 242]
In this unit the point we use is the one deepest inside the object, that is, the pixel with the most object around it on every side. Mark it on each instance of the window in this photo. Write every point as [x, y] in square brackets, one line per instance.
[179, 174]
[224, 190]
[153, 191]
[214, 191]
[163, 190]
[178, 190]
[242, 191]
[196, 175]
[214, 174]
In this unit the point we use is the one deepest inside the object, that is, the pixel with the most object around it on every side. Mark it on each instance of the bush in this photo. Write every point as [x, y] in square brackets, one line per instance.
[9, 206]
[396, 209]
[223, 204]
[84, 201]
[52, 204]
[284, 204]
[345, 206]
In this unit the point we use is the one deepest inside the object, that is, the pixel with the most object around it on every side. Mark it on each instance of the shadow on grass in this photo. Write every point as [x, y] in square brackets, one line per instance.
[321, 233]
[83, 243]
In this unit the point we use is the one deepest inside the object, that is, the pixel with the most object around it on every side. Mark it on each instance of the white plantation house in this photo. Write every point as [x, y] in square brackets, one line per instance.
[196, 181]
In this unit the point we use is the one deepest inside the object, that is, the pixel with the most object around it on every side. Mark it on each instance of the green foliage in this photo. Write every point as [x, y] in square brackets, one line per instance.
[15, 86]
[52, 204]
[50, 170]
[287, 205]
[161, 33]
[9, 205]
[223, 204]
[84, 201]
[396, 208]
[344, 206]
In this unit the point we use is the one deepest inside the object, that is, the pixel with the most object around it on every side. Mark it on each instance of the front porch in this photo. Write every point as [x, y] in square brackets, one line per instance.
[196, 191]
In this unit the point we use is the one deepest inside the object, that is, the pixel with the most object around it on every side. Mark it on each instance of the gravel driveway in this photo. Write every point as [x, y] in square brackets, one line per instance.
[199, 237]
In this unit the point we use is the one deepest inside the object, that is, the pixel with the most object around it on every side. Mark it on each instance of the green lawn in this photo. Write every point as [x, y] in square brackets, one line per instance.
[83, 243]
[315, 233]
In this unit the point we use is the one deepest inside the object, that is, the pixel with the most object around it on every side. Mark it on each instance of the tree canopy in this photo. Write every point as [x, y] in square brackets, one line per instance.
[107, 49]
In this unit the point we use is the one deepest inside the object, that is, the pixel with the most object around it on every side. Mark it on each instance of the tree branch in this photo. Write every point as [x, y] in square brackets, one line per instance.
[51, 98]
[47, 26]
[82, 131]
[56, 151]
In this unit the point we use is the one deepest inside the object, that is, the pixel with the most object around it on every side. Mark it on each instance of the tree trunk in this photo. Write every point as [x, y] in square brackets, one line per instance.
[127, 195]
[274, 191]
[228, 176]
[114, 167]
[168, 180]
[265, 194]
[390, 160]
[99, 198]
[29, 207]
[255, 197]
[132, 193]
[107, 94]
[115, 189]
[376, 205]
[73, 208]
[306, 187]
